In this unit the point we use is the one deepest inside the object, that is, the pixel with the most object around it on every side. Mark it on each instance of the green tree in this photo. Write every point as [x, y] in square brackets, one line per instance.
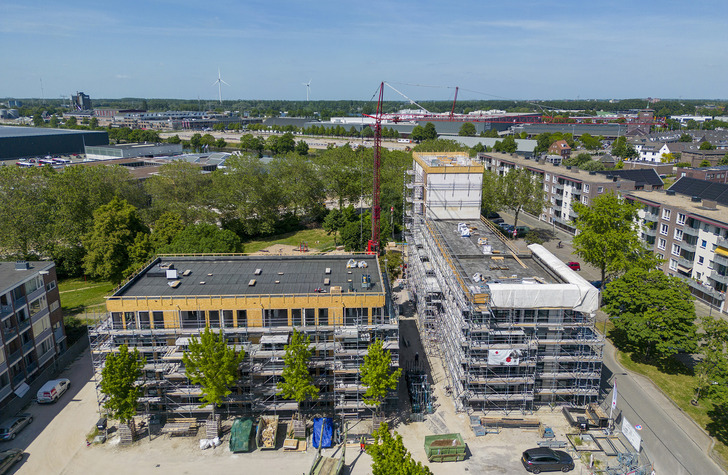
[724, 160]
[429, 132]
[418, 133]
[71, 122]
[594, 166]
[590, 143]
[25, 210]
[653, 314]
[440, 145]
[204, 238]
[181, 188]
[685, 138]
[302, 147]
[297, 382]
[174, 139]
[492, 193]
[704, 163]
[165, 228]
[507, 145]
[467, 130]
[706, 146]
[619, 147]
[140, 252]
[220, 143]
[93, 123]
[543, 142]
[119, 383]
[522, 191]
[332, 223]
[607, 236]
[212, 364]
[377, 375]
[53, 122]
[390, 457]
[712, 371]
[114, 231]
[38, 120]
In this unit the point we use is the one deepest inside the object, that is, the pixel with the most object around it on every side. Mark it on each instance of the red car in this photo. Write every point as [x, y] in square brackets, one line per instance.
[574, 265]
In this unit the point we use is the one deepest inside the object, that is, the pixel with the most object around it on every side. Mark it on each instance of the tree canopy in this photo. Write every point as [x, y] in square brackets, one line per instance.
[114, 231]
[119, 382]
[467, 130]
[520, 190]
[390, 457]
[607, 236]
[377, 375]
[296, 381]
[204, 238]
[653, 313]
[212, 364]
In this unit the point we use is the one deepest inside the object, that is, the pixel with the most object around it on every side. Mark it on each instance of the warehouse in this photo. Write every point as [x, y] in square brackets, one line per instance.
[514, 329]
[24, 142]
[341, 302]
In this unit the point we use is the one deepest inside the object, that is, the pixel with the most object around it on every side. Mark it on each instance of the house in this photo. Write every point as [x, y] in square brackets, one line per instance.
[561, 148]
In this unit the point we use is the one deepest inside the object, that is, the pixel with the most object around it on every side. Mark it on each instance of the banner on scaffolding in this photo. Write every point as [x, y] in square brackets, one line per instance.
[503, 357]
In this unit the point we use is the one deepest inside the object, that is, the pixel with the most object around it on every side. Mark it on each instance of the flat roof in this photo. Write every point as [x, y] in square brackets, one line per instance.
[9, 131]
[9, 276]
[131, 146]
[499, 266]
[231, 275]
[719, 215]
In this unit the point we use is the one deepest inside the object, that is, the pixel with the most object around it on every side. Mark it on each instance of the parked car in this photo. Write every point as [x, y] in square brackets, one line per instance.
[497, 220]
[573, 265]
[521, 231]
[543, 459]
[597, 284]
[8, 458]
[52, 390]
[10, 428]
[492, 215]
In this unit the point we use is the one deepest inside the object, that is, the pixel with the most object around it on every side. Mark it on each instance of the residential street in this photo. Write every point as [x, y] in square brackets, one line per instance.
[671, 439]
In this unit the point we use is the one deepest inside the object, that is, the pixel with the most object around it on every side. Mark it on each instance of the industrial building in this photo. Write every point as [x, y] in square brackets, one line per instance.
[132, 150]
[32, 325]
[23, 142]
[340, 301]
[514, 329]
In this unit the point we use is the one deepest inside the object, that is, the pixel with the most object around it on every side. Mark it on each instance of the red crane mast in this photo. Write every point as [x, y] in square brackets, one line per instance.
[373, 245]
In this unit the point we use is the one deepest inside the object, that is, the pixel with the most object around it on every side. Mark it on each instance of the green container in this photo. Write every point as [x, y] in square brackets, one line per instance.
[445, 448]
[240, 435]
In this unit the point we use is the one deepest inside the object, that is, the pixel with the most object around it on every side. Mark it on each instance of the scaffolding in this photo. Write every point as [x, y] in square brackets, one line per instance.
[338, 351]
[555, 352]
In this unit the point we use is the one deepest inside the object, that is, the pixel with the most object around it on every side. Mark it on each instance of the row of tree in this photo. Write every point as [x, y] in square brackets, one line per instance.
[213, 365]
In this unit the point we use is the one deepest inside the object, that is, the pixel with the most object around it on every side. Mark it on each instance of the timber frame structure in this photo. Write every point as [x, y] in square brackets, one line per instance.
[342, 302]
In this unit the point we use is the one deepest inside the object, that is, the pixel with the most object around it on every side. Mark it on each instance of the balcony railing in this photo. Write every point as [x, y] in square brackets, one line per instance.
[10, 333]
[18, 378]
[718, 277]
[23, 325]
[15, 356]
[28, 346]
[5, 310]
[691, 231]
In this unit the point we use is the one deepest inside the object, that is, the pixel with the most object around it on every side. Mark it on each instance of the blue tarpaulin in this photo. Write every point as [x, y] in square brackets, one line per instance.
[328, 426]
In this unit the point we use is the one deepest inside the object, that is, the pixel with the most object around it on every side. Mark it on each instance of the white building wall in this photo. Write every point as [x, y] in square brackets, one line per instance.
[454, 196]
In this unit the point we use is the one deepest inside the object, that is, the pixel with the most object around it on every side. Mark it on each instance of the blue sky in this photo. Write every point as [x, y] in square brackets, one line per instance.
[268, 49]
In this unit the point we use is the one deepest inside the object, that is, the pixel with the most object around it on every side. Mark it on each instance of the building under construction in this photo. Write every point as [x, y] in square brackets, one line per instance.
[514, 329]
[340, 301]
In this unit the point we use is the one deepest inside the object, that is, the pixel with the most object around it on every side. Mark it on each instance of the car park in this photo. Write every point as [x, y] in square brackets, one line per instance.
[8, 459]
[544, 459]
[573, 265]
[9, 428]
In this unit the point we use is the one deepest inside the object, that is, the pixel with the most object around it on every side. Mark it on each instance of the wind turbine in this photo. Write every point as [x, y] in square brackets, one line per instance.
[219, 83]
[308, 89]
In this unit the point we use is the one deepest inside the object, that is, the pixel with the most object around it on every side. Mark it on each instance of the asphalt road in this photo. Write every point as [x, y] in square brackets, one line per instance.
[674, 443]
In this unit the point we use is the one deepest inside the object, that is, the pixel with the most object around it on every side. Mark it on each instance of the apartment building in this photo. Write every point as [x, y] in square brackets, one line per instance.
[566, 185]
[341, 302]
[514, 329]
[32, 332]
[687, 227]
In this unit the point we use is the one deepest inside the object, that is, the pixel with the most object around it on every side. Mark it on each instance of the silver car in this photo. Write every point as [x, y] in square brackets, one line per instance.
[10, 428]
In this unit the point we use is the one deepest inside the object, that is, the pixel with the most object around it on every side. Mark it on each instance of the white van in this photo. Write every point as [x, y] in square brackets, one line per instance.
[52, 390]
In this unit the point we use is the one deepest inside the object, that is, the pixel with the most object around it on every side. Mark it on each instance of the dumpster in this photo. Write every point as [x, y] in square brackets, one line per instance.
[445, 448]
[267, 432]
[240, 435]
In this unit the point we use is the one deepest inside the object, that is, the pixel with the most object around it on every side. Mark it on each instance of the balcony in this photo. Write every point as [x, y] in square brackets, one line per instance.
[14, 357]
[20, 302]
[688, 246]
[650, 231]
[718, 277]
[5, 311]
[23, 325]
[720, 259]
[691, 231]
[31, 367]
[28, 347]
[18, 378]
[722, 242]
[10, 333]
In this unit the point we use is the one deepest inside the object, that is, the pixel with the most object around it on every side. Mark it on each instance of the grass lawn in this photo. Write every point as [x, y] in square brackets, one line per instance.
[679, 387]
[79, 296]
[315, 238]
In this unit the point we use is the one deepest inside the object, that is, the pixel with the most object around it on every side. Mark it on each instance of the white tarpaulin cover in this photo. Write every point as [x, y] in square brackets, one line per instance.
[575, 292]
[503, 357]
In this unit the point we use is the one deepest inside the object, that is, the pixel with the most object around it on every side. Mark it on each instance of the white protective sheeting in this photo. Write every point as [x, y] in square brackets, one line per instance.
[576, 293]
[503, 357]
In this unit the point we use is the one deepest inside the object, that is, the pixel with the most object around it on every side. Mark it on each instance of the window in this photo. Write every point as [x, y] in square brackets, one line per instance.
[33, 285]
[37, 305]
[296, 317]
[675, 250]
[144, 320]
[585, 200]
[242, 318]
[55, 305]
[680, 218]
[323, 316]
[275, 317]
[678, 234]
[553, 189]
[663, 229]
[703, 244]
[673, 264]
[666, 214]
[700, 259]
[553, 179]
[213, 317]
[227, 318]
[661, 244]
[586, 188]
[660, 256]
[50, 286]
[546, 188]
[548, 177]
[41, 325]
[158, 318]
[309, 317]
